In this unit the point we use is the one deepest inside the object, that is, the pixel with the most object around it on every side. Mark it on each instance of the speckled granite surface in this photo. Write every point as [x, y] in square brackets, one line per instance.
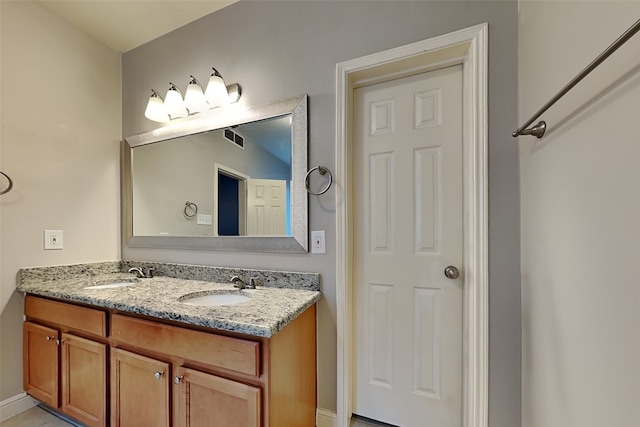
[276, 279]
[269, 309]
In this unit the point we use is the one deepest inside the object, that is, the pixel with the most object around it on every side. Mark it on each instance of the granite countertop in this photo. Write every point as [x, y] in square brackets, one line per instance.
[268, 310]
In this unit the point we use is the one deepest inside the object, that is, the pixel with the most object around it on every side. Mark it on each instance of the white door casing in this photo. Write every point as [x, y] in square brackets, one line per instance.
[467, 47]
[407, 157]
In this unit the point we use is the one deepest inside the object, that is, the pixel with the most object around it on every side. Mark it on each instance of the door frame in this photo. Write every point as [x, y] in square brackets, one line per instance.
[468, 47]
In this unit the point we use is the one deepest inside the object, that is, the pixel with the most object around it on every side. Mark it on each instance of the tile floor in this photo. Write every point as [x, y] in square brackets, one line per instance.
[355, 423]
[37, 417]
[361, 423]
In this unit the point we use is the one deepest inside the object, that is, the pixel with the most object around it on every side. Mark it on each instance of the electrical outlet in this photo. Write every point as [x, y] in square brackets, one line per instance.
[318, 243]
[204, 219]
[53, 239]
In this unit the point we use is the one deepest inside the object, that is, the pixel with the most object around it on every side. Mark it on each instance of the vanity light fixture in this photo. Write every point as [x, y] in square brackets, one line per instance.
[174, 103]
[194, 97]
[155, 108]
[216, 94]
[195, 100]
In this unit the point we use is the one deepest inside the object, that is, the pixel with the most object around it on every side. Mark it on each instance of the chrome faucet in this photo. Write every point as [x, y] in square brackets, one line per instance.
[238, 282]
[140, 272]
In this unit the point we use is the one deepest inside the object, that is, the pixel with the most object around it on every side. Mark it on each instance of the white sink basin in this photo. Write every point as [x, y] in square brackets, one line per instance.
[110, 285]
[215, 299]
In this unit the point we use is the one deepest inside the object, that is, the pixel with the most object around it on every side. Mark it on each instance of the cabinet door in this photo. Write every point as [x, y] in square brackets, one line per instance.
[139, 390]
[209, 401]
[40, 363]
[84, 386]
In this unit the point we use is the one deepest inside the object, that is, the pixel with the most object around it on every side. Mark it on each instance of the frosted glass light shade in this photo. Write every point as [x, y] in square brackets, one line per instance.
[216, 93]
[155, 108]
[174, 104]
[194, 97]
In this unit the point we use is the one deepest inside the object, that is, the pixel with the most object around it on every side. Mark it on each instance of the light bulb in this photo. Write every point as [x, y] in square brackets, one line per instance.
[155, 108]
[174, 103]
[194, 97]
[216, 93]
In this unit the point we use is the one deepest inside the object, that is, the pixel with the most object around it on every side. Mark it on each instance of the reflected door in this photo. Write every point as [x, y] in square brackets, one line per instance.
[267, 207]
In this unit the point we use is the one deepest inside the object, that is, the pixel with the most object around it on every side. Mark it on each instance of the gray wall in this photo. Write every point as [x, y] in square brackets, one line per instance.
[580, 208]
[279, 49]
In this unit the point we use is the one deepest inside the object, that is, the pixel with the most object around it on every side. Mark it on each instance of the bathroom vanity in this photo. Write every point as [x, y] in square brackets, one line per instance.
[187, 348]
[140, 355]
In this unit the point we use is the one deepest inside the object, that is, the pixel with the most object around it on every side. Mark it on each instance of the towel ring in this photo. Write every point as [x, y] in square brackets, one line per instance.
[322, 170]
[6, 190]
[193, 207]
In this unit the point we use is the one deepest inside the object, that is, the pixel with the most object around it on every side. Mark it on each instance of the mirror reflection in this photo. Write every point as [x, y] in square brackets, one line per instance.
[234, 181]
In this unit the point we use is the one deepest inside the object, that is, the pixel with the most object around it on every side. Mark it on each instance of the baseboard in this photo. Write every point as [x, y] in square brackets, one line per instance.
[15, 405]
[325, 418]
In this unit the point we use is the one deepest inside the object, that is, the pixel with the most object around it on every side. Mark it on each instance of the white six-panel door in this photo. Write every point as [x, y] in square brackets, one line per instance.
[267, 210]
[408, 229]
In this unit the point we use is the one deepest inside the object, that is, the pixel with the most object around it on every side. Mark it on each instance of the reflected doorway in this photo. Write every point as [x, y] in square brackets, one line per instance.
[230, 205]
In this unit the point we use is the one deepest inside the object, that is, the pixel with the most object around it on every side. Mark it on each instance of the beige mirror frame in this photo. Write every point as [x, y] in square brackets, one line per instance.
[219, 118]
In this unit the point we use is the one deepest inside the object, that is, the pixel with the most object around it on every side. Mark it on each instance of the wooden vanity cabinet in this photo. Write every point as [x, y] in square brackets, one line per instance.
[201, 395]
[61, 368]
[162, 374]
[229, 380]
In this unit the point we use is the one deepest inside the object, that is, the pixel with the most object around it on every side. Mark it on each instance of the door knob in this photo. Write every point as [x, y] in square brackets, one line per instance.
[178, 379]
[451, 272]
[158, 375]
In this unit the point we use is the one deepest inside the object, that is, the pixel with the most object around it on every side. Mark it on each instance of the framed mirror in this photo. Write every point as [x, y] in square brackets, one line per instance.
[228, 179]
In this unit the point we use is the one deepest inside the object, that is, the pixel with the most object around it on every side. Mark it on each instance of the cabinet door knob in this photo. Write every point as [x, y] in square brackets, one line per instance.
[50, 338]
[158, 375]
[178, 379]
[58, 342]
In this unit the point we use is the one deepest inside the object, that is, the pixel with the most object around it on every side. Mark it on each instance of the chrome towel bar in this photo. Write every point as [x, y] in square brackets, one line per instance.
[539, 129]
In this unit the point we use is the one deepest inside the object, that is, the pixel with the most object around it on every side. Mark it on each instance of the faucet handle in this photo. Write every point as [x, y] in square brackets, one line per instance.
[150, 271]
[253, 282]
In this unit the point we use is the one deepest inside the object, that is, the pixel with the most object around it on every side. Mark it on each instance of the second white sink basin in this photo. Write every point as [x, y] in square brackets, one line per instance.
[215, 299]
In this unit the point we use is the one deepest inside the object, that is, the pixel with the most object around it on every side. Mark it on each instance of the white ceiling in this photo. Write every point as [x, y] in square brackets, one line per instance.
[126, 24]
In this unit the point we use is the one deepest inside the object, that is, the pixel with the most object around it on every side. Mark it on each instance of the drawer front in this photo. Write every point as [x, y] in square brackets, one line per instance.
[225, 352]
[67, 315]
